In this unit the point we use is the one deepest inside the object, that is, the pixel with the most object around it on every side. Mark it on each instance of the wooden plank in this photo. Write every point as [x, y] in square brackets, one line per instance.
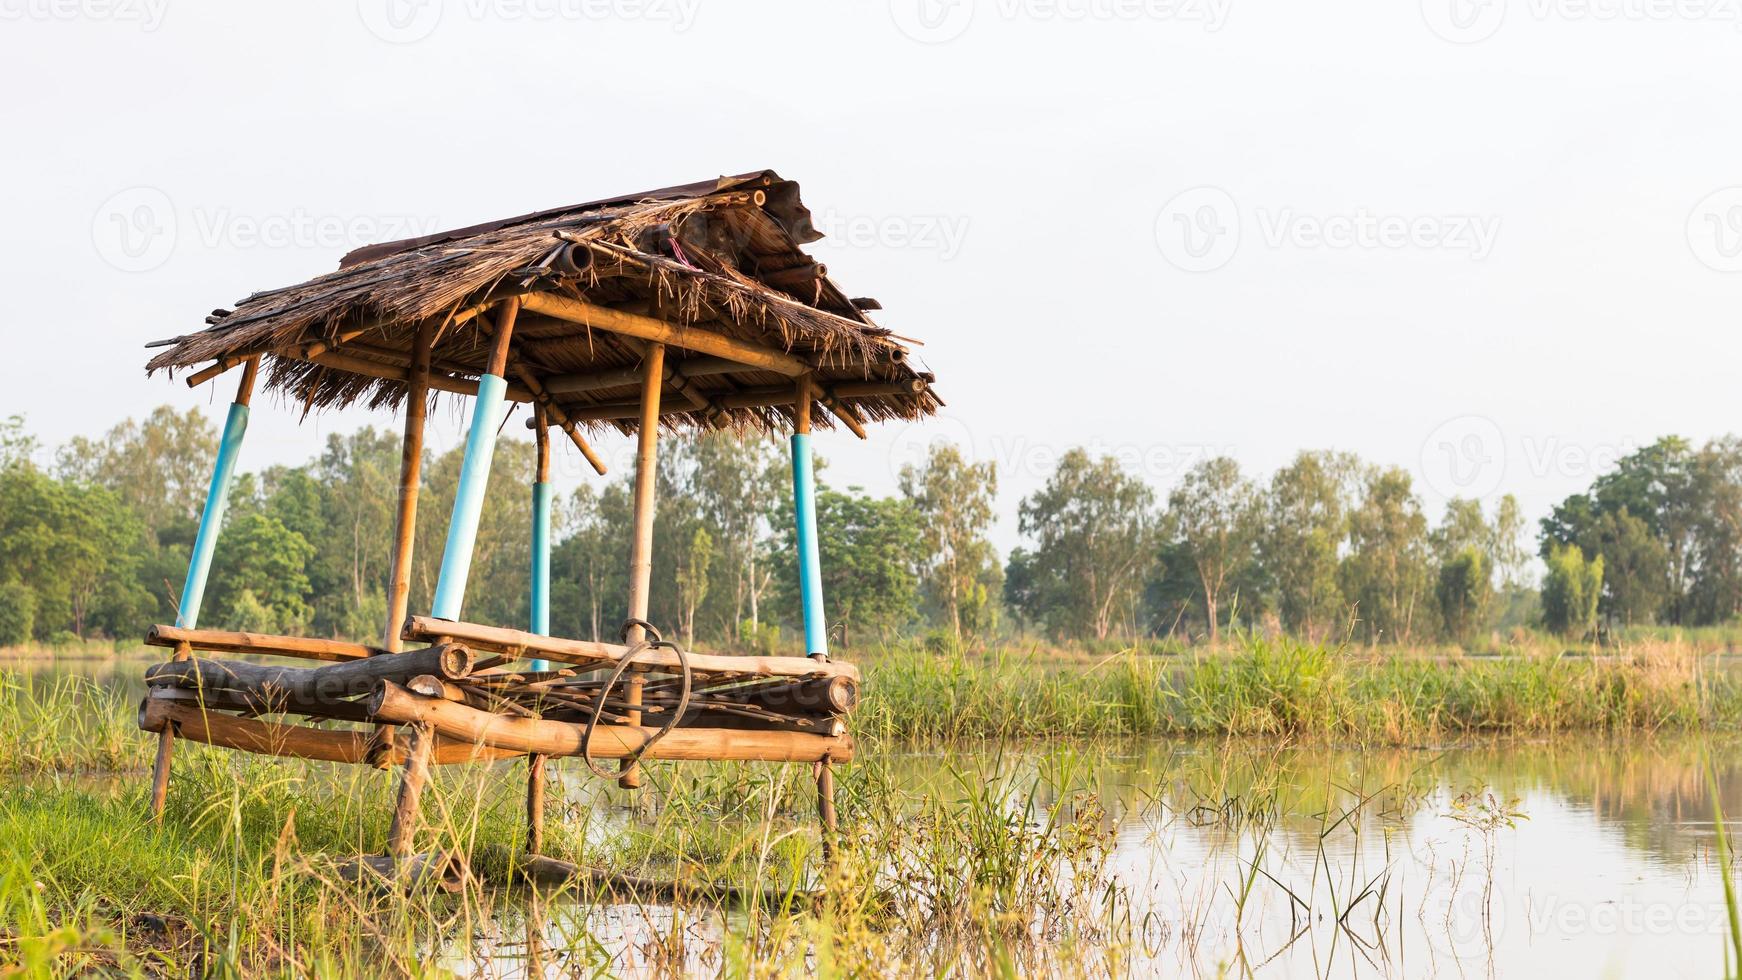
[227, 641]
[295, 741]
[649, 328]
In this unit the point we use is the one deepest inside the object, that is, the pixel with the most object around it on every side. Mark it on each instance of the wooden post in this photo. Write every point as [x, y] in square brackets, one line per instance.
[535, 782]
[403, 831]
[804, 505]
[410, 477]
[641, 545]
[826, 807]
[540, 602]
[200, 561]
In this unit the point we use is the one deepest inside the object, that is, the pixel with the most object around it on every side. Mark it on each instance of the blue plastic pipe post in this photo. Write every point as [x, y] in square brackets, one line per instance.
[450, 593]
[541, 564]
[810, 569]
[193, 589]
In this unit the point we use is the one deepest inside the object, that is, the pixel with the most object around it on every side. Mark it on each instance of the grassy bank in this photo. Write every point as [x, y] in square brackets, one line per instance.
[1282, 687]
[1259, 687]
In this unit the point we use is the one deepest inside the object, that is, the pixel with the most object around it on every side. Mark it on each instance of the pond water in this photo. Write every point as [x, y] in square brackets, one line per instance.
[1577, 855]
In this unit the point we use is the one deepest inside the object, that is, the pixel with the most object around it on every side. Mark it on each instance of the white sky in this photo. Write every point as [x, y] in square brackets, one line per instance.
[1546, 278]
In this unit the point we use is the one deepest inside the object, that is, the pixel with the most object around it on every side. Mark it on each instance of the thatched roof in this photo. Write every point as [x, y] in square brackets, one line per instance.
[720, 258]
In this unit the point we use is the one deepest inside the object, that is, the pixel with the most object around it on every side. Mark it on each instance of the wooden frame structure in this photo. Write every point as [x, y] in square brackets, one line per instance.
[686, 306]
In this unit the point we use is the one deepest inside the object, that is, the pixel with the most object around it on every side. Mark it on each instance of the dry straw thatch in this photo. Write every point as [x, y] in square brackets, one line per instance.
[721, 257]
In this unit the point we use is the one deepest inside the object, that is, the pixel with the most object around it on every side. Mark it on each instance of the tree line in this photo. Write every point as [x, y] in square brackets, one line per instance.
[95, 543]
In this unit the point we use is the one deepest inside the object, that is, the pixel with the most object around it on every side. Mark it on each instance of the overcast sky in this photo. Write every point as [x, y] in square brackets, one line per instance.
[1494, 242]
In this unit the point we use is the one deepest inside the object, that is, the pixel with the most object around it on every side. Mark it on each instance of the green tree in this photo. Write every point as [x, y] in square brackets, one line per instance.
[1093, 528]
[739, 482]
[1570, 591]
[160, 468]
[1465, 589]
[692, 578]
[1306, 521]
[870, 550]
[259, 563]
[953, 498]
[1387, 569]
[1215, 514]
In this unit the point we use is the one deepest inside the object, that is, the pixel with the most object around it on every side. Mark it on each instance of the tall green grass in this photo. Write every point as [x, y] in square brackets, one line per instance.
[1283, 687]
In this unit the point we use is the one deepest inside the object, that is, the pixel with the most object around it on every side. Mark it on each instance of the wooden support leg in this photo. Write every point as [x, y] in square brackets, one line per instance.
[535, 782]
[165, 749]
[403, 831]
[826, 808]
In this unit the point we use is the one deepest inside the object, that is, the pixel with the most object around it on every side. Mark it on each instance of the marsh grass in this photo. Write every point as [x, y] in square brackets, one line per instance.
[1266, 687]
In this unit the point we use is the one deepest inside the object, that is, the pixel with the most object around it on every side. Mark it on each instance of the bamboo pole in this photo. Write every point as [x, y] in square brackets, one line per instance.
[410, 479]
[230, 641]
[649, 328]
[825, 775]
[157, 714]
[542, 400]
[695, 367]
[460, 722]
[587, 653]
[641, 545]
[540, 603]
[755, 398]
[200, 560]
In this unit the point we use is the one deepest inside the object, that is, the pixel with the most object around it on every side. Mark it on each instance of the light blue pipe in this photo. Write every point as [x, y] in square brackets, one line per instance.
[541, 564]
[450, 593]
[810, 568]
[193, 590]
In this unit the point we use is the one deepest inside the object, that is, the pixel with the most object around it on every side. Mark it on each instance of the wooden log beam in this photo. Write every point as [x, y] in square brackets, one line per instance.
[394, 703]
[392, 372]
[548, 872]
[695, 367]
[660, 331]
[241, 702]
[520, 644]
[350, 679]
[228, 641]
[443, 870]
[832, 396]
[294, 741]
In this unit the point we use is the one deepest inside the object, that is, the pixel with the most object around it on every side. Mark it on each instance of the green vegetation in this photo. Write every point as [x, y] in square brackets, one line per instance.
[1329, 549]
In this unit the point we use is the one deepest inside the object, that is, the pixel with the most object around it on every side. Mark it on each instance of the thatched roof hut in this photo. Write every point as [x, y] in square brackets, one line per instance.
[714, 270]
